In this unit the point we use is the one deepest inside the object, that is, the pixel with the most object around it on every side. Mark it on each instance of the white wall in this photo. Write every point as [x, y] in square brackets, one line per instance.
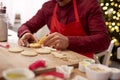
[27, 8]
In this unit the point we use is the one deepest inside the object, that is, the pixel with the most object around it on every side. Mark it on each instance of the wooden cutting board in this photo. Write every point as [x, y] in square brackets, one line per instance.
[16, 60]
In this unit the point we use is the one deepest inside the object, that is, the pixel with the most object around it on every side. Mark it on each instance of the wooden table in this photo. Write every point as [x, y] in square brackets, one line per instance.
[16, 60]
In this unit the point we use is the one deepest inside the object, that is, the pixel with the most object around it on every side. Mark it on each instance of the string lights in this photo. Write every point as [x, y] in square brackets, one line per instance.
[111, 10]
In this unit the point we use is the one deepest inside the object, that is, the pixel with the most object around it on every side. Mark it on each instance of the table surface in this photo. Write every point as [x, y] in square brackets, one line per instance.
[16, 60]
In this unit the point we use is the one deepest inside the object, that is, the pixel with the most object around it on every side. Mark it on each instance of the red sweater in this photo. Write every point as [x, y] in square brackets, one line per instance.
[91, 18]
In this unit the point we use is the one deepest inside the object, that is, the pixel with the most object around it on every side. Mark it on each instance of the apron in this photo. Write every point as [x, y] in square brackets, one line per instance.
[72, 29]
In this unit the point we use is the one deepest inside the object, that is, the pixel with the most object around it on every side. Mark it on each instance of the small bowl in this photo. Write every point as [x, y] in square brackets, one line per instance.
[115, 74]
[82, 66]
[98, 72]
[18, 74]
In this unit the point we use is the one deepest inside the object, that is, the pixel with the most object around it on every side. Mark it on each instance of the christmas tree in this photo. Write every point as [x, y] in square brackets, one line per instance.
[111, 11]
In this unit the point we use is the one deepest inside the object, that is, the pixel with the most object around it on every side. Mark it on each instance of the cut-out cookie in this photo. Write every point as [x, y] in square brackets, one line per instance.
[15, 49]
[29, 53]
[43, 51]
[58, 55]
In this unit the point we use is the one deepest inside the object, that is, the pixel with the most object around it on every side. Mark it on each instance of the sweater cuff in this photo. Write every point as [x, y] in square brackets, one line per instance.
[72, 42]
[22, 33]
[22, 30]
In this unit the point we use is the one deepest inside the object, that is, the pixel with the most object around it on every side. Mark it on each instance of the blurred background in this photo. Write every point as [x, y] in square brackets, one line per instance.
[26, 8]
[111, 11]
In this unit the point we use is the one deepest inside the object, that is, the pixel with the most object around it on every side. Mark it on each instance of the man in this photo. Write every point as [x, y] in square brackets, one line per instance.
[77, 25]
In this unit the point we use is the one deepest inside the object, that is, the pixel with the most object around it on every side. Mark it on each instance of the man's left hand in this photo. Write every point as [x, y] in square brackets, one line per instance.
[56, 40]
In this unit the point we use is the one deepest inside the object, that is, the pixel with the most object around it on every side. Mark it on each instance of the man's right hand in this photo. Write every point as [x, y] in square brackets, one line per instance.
[26, 39]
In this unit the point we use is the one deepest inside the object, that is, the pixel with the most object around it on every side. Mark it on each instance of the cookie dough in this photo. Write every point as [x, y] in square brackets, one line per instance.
[29, 53]
[42, 39]
[58, 55]
[15, 49]
[43, 51]
[35, 45]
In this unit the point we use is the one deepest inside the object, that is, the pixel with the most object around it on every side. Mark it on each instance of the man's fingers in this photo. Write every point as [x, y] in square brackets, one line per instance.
[48, 38]
[27, 43]
[56, 44]
[35, 39]
[51, 41]
[21, 42]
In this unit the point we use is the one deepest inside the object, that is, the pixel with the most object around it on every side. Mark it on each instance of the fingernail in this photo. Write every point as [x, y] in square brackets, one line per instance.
[23, 44]
[47, 34]
[28, 45]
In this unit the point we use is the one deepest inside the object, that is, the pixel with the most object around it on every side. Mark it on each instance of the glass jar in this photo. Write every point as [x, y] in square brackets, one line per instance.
[3, 27]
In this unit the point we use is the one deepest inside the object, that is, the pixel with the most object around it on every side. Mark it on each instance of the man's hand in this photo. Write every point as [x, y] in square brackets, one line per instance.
[26, 39]
[57, 41]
